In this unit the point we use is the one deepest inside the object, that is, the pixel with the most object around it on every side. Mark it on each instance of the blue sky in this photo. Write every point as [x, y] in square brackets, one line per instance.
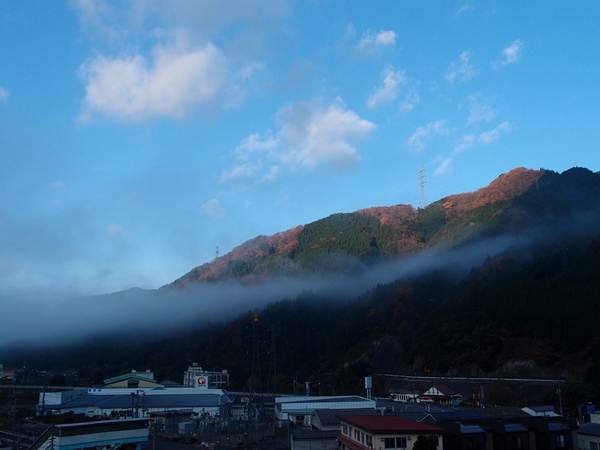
[136, 137]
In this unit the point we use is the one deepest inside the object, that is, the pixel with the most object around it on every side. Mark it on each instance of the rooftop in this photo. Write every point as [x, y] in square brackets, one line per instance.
[389, 424]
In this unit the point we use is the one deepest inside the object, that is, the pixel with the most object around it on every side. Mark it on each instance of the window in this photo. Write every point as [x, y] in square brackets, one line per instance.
[362, 437]
[472, 444]
[370, 441]
[400, 442]
[345, 429]
[560, 441]
[517, 443]
[390, 442]
[593, 446]
[357, 435]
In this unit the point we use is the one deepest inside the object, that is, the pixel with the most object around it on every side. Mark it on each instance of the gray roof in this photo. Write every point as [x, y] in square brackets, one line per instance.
[592, 429]
[121, 401]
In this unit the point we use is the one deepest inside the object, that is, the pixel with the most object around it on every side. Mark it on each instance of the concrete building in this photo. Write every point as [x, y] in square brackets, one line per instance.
[133, 380]
[123, 402]
[105, 434]
[298, 410]
[195, 375]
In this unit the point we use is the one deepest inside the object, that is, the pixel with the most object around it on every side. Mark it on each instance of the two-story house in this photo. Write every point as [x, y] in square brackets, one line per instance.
[384, 433]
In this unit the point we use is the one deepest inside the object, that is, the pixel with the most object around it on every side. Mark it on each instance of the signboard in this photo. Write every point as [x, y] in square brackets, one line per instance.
[202, 382]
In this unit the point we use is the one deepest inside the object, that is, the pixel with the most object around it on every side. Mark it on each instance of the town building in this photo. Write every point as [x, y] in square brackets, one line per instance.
[385, 433]
[195, 374]
[133, 380]
[440, 394]
[298, 410]
[125, 402]
[105, 434]
[589, 436]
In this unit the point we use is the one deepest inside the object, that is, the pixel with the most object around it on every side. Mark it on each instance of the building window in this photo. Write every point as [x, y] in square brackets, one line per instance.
[560, 441]
[593, 446]
[357, 435]
[362, 437]
[400, 442]
[345, 429]
[517, 443]
[390, 442]
[472, 444]
[370, 441]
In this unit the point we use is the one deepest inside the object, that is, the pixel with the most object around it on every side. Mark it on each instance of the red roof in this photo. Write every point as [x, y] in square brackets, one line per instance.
[443, 389]
[389, 424]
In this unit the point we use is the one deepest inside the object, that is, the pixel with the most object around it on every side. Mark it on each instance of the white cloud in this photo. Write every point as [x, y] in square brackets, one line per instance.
[480, 111]
[444, 167]
[271, 175]
[117, 233]
[371, 41]
[510, 54]
[312, 135]
[58, 186]
[461, 69]
[98, 19]
[214, 208]
[466, 142]
[177, 78]
[387, 93]
[4, 94]
[424, 133]
[493, 135]
[464, 9]
[254, 143]
[247, 169]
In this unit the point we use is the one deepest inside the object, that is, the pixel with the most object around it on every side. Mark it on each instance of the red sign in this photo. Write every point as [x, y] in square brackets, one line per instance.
[202, 381]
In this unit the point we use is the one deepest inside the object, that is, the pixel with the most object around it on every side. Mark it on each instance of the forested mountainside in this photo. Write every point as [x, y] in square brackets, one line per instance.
[514, 202]
[528, 308]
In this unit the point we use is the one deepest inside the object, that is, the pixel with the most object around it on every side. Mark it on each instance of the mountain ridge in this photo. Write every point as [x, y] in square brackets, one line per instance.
[399, 230]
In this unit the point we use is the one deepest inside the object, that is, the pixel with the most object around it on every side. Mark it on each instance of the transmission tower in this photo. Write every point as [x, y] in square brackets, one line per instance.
[217, 253]
[422, 195]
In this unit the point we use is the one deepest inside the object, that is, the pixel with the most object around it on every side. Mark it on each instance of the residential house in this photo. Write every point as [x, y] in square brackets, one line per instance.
[385, 433]
[589, 436]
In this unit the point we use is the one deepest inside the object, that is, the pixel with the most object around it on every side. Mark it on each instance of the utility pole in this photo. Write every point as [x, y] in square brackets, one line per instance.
[272, 381]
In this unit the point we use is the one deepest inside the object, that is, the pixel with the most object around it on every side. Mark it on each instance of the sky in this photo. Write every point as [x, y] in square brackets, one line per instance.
[138, 138]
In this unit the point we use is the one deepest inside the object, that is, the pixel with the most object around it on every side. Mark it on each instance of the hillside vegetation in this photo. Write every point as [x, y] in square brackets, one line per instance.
[528, 308]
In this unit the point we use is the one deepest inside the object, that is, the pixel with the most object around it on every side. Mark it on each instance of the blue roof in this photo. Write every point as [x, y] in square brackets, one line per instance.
[455, 415]
[470, 429]
[557, 426]
[515, 428]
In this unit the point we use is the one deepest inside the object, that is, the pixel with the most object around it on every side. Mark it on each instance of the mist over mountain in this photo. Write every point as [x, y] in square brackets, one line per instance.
[502, 281]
